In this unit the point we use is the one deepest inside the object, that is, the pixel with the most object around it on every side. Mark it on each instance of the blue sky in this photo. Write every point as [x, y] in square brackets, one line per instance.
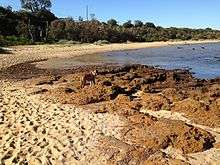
[179, 13]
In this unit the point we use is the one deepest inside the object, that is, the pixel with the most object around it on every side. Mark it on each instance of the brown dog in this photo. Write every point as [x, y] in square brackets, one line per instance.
[88, 78]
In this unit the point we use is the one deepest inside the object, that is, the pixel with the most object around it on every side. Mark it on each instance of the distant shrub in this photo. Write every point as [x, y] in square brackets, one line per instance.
[62, 41]
[68, 42]
[101, 42]
[38, 43]
[23, 41]
[13, 40]
[2, 41]
[73, 42]
[112, 22]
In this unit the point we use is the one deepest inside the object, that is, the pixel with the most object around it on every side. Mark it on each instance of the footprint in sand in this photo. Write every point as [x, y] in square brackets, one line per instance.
[8, 155]
[35, 128]
[12, 144]
[15, 160]
[44, 131]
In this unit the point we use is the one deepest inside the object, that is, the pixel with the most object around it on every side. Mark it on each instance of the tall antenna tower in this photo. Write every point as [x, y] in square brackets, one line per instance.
[87, 13]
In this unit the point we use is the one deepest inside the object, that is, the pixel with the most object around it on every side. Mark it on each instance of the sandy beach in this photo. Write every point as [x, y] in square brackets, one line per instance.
[133, 115]
[119, 83]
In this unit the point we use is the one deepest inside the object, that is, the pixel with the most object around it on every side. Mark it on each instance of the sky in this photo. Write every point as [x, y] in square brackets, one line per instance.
[166, 13]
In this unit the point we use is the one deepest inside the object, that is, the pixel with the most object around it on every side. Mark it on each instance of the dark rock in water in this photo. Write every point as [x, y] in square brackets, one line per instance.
[181, 75]
[217, 58]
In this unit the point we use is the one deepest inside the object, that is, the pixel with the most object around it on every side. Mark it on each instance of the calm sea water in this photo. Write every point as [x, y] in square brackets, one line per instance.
[203, 60]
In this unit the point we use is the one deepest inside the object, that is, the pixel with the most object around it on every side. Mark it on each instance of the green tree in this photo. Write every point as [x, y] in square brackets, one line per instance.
[112, 22]
[80, 19]
[36, 5]
[150, 25]
[45, 15]
[128, 24]
[8, 22]
[138, 23]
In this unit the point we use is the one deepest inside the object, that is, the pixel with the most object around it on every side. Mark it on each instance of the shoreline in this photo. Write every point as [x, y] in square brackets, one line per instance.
[54, 118]
[21, 54]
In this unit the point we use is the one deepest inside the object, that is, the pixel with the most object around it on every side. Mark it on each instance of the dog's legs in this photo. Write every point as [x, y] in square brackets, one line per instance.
[82, 83]
[90, 83]
[93, 81]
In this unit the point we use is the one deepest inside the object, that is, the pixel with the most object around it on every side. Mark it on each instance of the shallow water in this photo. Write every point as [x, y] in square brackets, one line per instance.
[202, 59]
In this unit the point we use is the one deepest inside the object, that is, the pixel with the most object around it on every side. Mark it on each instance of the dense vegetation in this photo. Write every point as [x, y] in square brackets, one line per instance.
[35, 23]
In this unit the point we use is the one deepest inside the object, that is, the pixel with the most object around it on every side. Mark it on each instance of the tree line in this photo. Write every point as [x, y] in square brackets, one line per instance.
[36, 23]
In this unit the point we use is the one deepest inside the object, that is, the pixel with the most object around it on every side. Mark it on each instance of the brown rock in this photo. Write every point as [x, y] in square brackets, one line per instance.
[155, 102]
[199, 112]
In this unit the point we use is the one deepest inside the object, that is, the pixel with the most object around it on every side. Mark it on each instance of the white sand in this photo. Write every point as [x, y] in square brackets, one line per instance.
[40, 132]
